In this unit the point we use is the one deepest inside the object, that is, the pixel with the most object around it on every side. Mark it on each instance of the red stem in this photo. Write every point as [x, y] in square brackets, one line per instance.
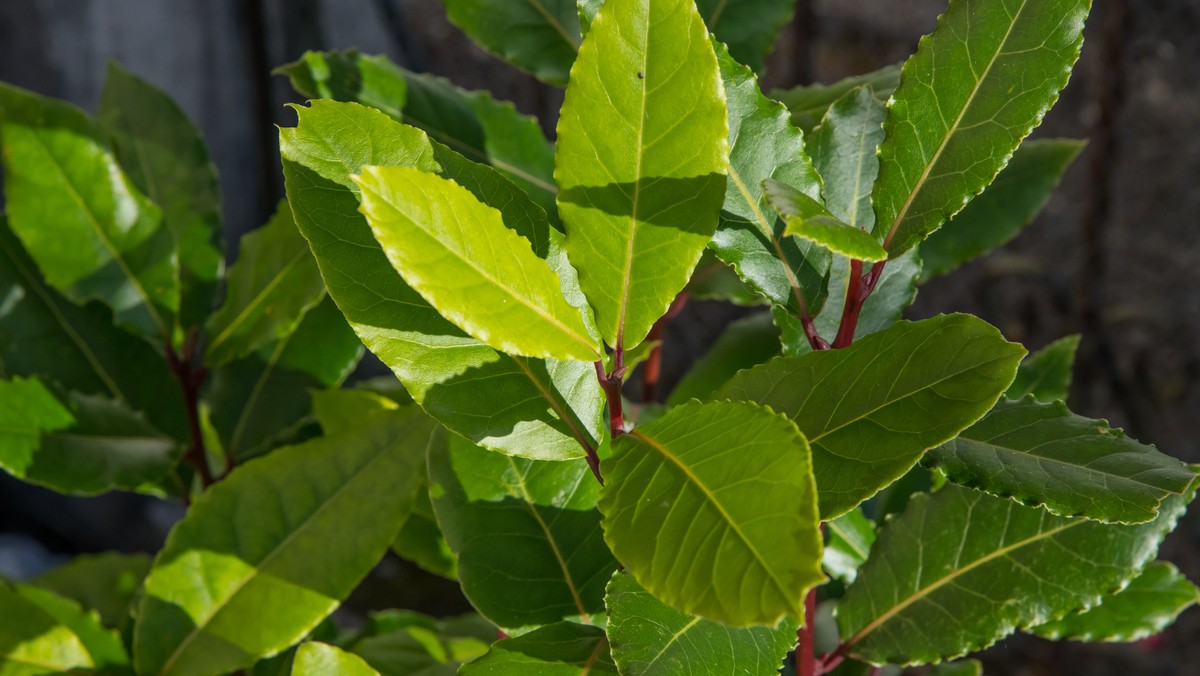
[191, 378]
[857, 293]
[653, 368]
[806, 662]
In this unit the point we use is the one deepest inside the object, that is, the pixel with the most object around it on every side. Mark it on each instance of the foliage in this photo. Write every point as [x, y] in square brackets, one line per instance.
[512, 286]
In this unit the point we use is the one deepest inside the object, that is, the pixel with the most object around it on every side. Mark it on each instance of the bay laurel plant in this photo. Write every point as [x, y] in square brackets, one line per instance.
[923, 480]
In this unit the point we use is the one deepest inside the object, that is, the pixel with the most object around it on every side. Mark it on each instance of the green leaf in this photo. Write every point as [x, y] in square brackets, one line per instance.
[526, 534]
[869, 420]
[744, 343]
[1044, 455]
[559, 649]
[512, 405]
[959, 668]
[319, 659]
[77, 347]
[748, 27]
[1006, 206]
[415, 645]
[848, 541]
[634, 135]
[40, 634]
[986, 567]
[421, 542]
[263, 556]
[808, 219]
[273, 283]
[165, 157]
[809, 104]
[713, 508]
[457, 253]
[791, 273]
[103, 645]
[1046, 375]
[79, 444]
[1148, 605]
[471, 123]
[105, 583]
[964, 105]
[649, 637]
[713, 280]
[91, 232]
[539, 36]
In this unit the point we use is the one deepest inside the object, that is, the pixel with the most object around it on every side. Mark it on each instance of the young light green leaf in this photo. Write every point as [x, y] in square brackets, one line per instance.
[848, 541]
[1148, 605]
[864, 408]
[559, 649]
[91, 232]
[634, 135]
[485, 501]
[713, 508]
[35, 639]
[744, 343]
[410, 644]
[808, 219]
[964, 105]
[1008, 204]
[1046, 375]
[650, 638]
[540, 37]
[809, 104]
[319, 659]
[105, 583]
[1044, 455]
[242, 577]
[274, 282]
[512, 405]
[791, 273]
[986, 567]
[103, 645]
[458, 254]
[162, 152]
[78, 444]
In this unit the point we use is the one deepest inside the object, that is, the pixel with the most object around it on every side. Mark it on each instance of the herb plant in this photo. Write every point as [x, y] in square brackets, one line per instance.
[923, 479]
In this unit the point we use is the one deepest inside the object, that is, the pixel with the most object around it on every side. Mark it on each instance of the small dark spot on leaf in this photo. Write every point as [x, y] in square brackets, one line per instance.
[641, 75]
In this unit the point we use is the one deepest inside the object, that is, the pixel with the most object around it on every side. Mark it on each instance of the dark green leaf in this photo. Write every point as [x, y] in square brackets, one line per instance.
[651, 638]
[540, 37]
[1044, 455]
[44, 634]
[105, 583]
[634, 134]
[420, 540]
[320, 659]
[1010, 203]
[411, 644]
[744, 343]
[975, 88]
[713, 508]
[713, 280]
[164, 156]
[748, 27]
[526, 533]
[848, 541]
[1148, 605]
[809, 104]
[985, 568]
[103, 645]
[1046, 375]
[560, 649]
[266, 554]
[808, 219]
[865, 409]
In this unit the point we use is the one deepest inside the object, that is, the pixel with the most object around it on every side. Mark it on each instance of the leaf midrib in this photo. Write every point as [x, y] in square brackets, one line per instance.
[258, 299]
[554, 23]
[623, 306]
[670, 642]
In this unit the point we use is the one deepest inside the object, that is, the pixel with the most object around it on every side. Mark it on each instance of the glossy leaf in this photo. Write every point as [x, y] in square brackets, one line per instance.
[265, 555]
[1148, 605]
[91, 232]
[809, 104]
[865, 408]
[36, 641]
[512, 405]
[165, 157]
[410, 644]
[560, 649]
[808, 219]
[790, 273]
[1045, 455]
[975, 88]
[273, 283]
[843, 153]
[635, 134]
[651, 638]
[319, 659]
[1046, 375]
[457, 253]
[1006, 206]
[78, 444]
[105, 583]
[540, 37]
[713, 508]
[986, 567]
[744, 343]
[848, 542]
[526, 534]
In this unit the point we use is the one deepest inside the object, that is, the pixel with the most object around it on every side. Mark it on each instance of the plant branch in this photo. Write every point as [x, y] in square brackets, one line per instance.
[806, 662]
[191, 378]
[857, 293]
[652, 370]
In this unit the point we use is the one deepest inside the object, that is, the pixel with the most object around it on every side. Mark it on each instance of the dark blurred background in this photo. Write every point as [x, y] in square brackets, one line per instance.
[1112, 257]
